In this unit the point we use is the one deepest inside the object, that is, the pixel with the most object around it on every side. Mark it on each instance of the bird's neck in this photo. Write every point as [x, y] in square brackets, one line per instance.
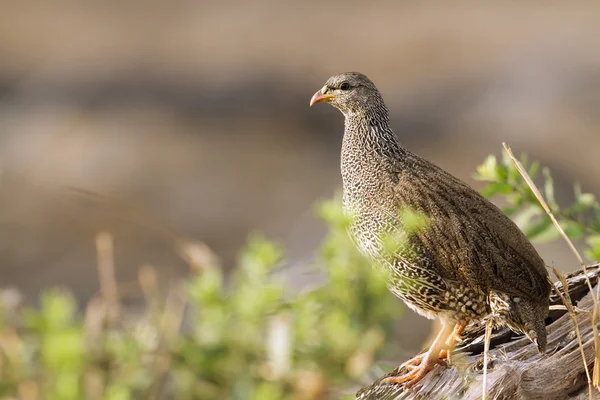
[369, 140]
[371, 155]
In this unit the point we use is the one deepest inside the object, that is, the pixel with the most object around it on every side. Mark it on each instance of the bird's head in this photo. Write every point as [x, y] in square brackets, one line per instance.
[349, 92]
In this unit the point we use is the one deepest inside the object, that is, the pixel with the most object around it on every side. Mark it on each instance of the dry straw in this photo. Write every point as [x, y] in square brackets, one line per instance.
[595, 380]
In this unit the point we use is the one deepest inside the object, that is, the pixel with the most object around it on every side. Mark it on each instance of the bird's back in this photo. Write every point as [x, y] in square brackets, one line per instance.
[468, 238]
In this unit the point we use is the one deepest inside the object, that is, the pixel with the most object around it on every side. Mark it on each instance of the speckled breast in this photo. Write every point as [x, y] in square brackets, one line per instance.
[411, 277]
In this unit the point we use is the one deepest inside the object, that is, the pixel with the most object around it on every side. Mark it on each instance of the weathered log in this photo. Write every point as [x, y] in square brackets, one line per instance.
[516, 370]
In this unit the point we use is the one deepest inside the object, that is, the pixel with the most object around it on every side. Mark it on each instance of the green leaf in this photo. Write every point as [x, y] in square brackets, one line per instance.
[66, 385]
[506, 161]
[63, 349]
[548, 235]
[57, 309]
[487, 170]
[593, 253]
[330, 211]
[207, 288]
[513, 175]
[587, 199]
[538, 228]
[523, 219]
[510, 210]
[549, 189]
[524, 160]
[573, 230]
[495, 188]
[412, 220]
[118, 392]
[501, 172]
[533, 170]
[596, 221]
[269, 391]
[260, 256]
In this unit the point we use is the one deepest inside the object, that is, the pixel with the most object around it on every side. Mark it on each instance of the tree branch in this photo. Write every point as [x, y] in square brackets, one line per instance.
[516, 369]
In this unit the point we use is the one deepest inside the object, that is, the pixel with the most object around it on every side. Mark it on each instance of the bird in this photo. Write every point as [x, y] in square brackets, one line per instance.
[468, 262]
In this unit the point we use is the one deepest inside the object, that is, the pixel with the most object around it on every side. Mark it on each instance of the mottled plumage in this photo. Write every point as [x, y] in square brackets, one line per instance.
[469, 262]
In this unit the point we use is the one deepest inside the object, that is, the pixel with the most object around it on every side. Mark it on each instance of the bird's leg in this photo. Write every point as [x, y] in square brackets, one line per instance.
[456, 332]
[446, 353]
[423, 363]
[454, 338]
[415, 362]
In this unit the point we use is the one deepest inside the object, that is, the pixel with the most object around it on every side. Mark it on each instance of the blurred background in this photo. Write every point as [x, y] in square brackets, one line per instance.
[197, 113]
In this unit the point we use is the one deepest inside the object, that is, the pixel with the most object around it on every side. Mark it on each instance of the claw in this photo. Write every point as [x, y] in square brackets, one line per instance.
[410, 367]
[413, 362]
[455, 337]
[416, 361]
[408, 379]
[418, 367]
[415, 373]
[440, 352]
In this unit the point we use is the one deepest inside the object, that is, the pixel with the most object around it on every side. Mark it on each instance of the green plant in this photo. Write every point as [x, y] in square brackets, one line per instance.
[246, 336]
[252, 340]
[579, 220]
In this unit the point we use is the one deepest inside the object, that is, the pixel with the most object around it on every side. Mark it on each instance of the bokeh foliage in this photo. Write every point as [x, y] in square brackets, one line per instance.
[580, 219]
[246, 335]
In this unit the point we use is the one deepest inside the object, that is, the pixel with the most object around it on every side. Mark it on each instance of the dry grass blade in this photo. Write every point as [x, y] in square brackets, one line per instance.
[29, 390]
[94, 379]
[106, 272]
[546, 208]
[566, 299]
[164, 320]
[486, 356]
[172, 317]
[148, 281]
[197, 255]
[596, 376]
[169, 327]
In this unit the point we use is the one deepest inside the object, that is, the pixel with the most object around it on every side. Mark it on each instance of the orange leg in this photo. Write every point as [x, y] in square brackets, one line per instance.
[454, 338]
[416, 361]
[420, 365]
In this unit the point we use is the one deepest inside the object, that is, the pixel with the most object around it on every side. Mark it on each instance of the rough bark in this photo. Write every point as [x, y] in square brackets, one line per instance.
[516, 369]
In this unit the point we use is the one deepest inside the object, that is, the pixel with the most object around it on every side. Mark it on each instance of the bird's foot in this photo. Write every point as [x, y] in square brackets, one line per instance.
[454, 339]
[440, 350]
[417, 368]
[416, 361]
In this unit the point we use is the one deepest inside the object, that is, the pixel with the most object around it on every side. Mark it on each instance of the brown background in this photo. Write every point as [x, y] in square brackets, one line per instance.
[198, 113]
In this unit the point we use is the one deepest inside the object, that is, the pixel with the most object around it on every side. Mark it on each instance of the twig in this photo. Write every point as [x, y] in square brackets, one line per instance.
[566, 299]
[544, 205]
[596, 376]
[536, 192]
[486, 356]
[94, 379]
[106, 272]
[169, 326]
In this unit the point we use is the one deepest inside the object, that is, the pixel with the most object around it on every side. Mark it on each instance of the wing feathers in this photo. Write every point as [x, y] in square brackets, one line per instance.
[468, 237]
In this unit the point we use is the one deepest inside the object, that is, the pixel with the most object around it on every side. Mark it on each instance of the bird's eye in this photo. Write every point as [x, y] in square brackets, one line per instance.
[345, 86]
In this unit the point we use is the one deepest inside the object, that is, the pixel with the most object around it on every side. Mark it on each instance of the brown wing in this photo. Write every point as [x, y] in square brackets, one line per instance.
[469, 238]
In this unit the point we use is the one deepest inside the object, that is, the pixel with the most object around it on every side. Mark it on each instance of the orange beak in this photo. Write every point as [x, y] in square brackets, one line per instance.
[321, 97]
